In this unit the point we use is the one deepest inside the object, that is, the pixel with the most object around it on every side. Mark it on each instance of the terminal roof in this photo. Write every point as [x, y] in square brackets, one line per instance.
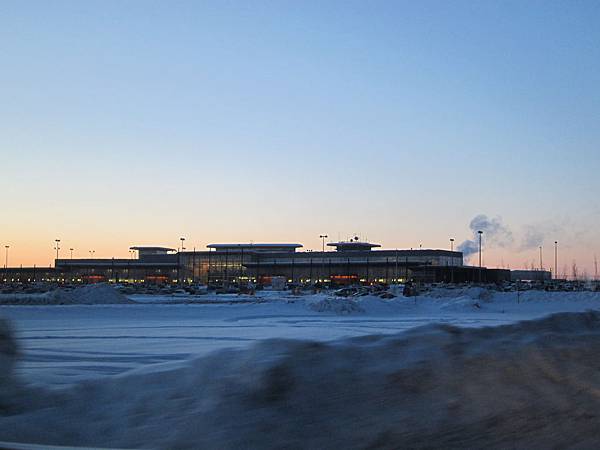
[352, 245]
[151, 249]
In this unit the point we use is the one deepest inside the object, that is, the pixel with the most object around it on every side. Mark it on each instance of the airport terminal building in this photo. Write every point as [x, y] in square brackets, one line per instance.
[234, 264]
[224, 265]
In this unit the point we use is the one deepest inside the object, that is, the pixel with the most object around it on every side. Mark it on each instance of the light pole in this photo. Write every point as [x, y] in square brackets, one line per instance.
[180, 272]
[480, 233]
[71, 250]
[92, 253]
[452, 260]
[555, 260]
[323, 237]
[6, 247]
[57, 248]
[541, 261]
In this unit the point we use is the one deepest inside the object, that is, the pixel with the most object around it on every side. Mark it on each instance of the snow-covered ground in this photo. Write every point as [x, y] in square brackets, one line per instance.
[526, 385]
[205, 372]
[64, 344]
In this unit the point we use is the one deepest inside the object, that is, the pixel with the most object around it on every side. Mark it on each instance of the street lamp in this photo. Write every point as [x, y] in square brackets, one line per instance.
[57, 248]
[92, 253]
[452, 260]
[541, 260]
[555, 260]
[179, 271]
[6, 247]
[480, 233]
[71, 250]
[323, 237]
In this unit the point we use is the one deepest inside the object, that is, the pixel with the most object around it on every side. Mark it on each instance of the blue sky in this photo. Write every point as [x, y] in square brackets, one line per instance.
[137, 122]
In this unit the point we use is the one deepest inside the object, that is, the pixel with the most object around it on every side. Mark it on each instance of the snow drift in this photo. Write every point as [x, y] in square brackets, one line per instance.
[334, 305]
[8, 352]
[91, 294]
[533, 384]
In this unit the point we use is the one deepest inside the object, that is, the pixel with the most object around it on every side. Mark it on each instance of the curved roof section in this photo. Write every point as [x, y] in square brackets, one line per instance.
[255, 246]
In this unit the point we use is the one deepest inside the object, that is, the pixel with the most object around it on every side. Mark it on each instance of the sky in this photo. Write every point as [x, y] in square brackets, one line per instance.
[139, 122]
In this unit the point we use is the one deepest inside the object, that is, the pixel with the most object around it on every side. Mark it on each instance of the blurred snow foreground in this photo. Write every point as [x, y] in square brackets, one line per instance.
[533, 384]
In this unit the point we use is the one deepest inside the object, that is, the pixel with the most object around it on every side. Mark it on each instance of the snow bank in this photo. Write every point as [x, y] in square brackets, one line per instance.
[91, 294]
[9, 390]
[472, 292]
[529, 385]
[337, 305]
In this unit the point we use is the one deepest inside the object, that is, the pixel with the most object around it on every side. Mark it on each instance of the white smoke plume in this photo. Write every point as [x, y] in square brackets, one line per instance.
[533, 237]
[495, 234]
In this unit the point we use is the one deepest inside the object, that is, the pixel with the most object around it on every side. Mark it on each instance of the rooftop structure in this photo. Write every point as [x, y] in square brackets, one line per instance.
[146, 251]
[263, 248]
[353, 245]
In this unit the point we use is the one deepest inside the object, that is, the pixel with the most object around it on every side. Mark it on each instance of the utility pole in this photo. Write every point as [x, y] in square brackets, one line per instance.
[57, 248]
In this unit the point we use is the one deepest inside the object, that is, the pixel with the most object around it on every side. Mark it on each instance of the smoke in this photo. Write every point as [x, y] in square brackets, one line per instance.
[495, 234]
[532, 238]
[468, 248]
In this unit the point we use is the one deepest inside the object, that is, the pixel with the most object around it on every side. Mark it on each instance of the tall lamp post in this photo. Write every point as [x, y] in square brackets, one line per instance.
[480, 233]
[180, 272]
[555, 260]
[541, 260]
[6, 247]
[57, 248]
[323, 237]
[452, 260]
[71, 250]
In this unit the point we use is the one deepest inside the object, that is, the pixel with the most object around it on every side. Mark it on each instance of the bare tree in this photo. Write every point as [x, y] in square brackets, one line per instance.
[584, 275]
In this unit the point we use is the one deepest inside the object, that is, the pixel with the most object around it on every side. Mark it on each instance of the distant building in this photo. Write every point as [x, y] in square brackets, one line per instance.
[530, 275]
